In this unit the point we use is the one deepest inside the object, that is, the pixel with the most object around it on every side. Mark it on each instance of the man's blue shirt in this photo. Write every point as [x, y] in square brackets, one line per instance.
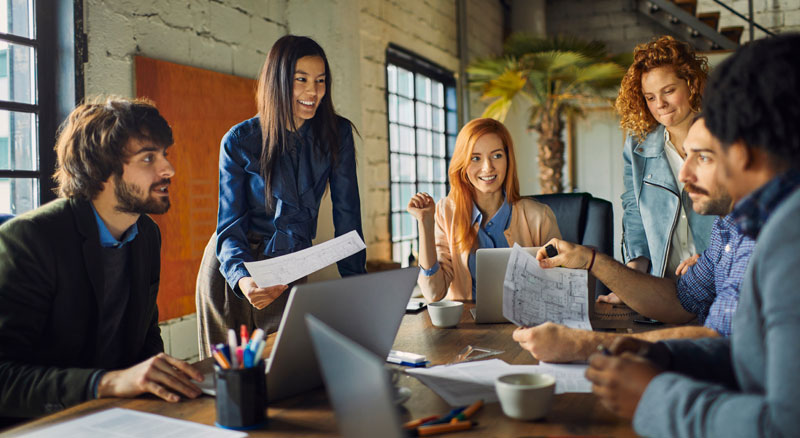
[106, 239]
[710, 289]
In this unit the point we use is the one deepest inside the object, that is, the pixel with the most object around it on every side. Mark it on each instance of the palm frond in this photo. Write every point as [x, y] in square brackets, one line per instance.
[519, 44]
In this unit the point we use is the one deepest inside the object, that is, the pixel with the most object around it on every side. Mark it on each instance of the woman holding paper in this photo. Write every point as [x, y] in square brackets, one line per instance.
[483, 210]
[273, 171]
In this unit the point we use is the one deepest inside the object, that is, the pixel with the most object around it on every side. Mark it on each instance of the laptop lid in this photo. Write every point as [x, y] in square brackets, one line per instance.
[357, 384]
[366, 308]
[490, 270]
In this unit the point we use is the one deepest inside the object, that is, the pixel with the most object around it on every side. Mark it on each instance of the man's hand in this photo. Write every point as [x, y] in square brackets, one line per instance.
[260, 297]
[620, 381]
[161, 375]
[551, 342]
[570, 255]
[611, 298]
[686, 264]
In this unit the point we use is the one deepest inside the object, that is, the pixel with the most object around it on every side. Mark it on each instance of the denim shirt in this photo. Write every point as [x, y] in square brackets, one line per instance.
[652, 203]
[492, 235]
[298, 189]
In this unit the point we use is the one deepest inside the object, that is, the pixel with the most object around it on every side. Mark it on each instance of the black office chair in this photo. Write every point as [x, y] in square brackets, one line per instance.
[584, 219]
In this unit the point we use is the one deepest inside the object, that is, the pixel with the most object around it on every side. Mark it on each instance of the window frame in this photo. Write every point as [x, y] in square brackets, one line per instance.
[402, 58]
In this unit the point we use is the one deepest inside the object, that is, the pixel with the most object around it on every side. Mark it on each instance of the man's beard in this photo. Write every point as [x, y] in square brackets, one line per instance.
[129, 198]
[719, 206]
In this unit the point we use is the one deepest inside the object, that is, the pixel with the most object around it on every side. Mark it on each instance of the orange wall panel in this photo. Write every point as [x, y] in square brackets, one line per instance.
[201, 106]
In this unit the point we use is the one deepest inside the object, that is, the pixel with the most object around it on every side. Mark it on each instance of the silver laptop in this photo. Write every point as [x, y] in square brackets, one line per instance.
[490, 270]
[366, 308]
[357, 383]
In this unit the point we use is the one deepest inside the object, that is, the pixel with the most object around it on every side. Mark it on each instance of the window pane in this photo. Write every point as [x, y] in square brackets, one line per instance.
[426, 187]
[392, 108]
[424, 169]
[423, 88]
[391, 78]
[396, 253]
[424, 142]
[406, 192]
[16, 18]
[407, 169]
[406, 111]
[440, 190]
[437, 93]
[438, 120]
[409, 230]
[19, 148]
[18, 195]
[451, 144]
[394, 163]
[450, 95]
[17, 73]
[405, 83]
[423, 115]
[396, 226]
[452, 122]
[438, 145]
[396, 205]
[439, 170]
[394, 138]
[405, 251]
[407, 140]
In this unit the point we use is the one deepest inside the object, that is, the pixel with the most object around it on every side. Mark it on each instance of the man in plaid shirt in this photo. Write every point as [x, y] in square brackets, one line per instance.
[707, 291]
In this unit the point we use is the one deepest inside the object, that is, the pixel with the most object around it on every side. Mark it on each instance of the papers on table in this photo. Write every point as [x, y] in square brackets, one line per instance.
[463, 383]
[125, 423]
[532, 295]
[290, 267]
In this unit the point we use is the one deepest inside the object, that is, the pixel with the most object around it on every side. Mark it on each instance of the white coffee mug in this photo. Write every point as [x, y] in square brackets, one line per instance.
[526, 396]
[445, 313]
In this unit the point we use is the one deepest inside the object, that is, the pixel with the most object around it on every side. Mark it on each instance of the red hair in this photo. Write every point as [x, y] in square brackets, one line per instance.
[461, 189]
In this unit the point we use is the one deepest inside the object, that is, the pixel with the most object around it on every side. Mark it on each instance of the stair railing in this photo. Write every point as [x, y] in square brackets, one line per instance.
[750, 20]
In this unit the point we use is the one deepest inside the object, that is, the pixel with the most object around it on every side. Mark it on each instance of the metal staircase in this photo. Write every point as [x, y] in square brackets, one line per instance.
[701, 30]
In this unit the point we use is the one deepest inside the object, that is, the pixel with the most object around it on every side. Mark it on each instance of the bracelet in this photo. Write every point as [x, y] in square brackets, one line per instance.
[589, 269]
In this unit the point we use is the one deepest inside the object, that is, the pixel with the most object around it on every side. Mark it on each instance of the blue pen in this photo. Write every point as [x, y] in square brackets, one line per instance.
[446, 418]
[225, 350]
[247, 356]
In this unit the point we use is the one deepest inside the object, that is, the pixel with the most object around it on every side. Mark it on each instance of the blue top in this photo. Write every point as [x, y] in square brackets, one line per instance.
[745, 385]
[710, 289]
[300, 180]
[489, 236]
[106, 239]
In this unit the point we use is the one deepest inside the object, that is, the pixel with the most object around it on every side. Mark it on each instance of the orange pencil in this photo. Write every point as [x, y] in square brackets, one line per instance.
[221, 360]
[420, 421]
[466, 413]
[437, 429]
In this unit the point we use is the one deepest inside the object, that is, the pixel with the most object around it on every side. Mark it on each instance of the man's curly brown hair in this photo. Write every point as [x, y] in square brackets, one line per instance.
[636, 118]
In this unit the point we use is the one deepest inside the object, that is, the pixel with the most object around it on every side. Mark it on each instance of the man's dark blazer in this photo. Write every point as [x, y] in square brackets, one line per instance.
[51, 281]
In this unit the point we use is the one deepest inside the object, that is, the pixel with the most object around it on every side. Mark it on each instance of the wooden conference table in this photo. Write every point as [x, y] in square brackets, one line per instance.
[310, 415]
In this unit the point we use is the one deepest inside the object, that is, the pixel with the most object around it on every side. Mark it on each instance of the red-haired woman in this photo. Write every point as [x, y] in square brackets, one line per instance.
[658, 98]
[483, 210]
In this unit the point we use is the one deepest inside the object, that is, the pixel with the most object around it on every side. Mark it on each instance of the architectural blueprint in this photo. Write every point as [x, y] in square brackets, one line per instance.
[532, 295]
[290, 267]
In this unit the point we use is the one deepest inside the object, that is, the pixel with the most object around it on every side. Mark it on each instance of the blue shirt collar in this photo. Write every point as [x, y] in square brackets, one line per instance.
[753, 211]
[502, 216]
[106, 239]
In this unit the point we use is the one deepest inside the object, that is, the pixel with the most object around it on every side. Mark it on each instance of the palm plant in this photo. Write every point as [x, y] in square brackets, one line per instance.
[556, 76]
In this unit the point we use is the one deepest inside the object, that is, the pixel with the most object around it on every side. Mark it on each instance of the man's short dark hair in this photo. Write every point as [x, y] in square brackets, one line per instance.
[754, 97]
[91, 143]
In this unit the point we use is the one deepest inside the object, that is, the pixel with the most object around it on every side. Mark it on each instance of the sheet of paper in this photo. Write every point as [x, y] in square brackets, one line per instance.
[463, 383]
[125, 423]
[532, 295]
[290, 267]
[569, 377]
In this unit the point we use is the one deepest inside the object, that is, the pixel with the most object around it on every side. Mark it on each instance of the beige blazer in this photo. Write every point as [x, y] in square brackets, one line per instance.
[532, 224]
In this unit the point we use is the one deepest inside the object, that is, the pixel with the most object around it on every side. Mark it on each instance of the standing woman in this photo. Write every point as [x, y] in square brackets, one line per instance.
[273, 172]
[658, 99]
[483, 210]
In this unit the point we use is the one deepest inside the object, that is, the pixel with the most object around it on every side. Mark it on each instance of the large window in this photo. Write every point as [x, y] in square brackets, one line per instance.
[19, 109]
[421, 101]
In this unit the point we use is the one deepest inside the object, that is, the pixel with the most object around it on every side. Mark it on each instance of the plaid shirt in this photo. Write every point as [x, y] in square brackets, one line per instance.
[710, 289]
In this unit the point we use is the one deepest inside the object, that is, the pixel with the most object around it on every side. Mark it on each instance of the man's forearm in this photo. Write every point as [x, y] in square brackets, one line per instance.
[649, 295]
[586, 342]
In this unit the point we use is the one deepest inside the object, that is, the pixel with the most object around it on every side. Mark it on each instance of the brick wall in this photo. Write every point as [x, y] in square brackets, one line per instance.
[776, 15]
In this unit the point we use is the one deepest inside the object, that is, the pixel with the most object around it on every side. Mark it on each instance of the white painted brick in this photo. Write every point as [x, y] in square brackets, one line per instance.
[151, 40]
[247, 62]
[183, 337]
[108, 75]
[178, 14]
[265, 34]
[210, 54]
[103, 22]
[228, 24]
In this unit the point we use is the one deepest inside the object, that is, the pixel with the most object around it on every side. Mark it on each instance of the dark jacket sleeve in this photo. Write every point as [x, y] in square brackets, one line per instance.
[153, 343]
[346, 201]
[27, 285]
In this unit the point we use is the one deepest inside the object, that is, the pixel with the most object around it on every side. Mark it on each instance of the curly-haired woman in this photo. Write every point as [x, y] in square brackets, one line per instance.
[658, 99]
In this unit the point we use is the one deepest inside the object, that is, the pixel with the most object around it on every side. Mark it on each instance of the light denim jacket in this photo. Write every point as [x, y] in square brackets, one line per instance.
[651, 204]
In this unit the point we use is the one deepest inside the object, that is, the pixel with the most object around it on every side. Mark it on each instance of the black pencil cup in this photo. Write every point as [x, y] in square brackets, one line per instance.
[241, 397]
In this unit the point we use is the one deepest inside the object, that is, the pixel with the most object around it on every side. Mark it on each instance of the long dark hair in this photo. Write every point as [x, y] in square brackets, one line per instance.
[275, 97]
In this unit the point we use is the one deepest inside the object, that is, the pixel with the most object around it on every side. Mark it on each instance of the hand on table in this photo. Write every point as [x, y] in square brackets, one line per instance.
[260, 297]
[552, 342]
[570, 255]
[611, 298]
[162, 375]
[686, 264]
[620, 380]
